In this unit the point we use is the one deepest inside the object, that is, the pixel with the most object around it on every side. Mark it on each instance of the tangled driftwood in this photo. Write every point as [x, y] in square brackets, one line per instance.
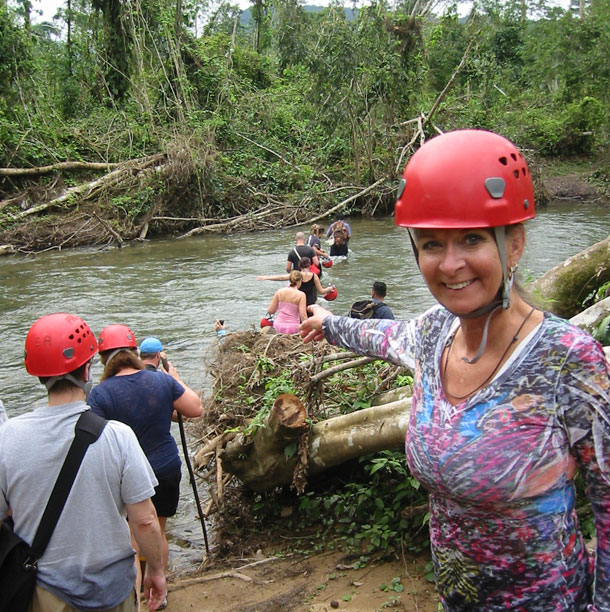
[236, 370]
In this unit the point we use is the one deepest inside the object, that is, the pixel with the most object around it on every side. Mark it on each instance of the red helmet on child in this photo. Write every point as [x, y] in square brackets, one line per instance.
[116, 336]
[464, 179]
[57, 344]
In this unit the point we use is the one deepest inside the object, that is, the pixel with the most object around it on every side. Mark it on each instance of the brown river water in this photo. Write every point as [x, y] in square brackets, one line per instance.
[175, 289]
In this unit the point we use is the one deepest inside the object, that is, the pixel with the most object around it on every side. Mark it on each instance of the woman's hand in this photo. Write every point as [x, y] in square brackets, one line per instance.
[311, 328]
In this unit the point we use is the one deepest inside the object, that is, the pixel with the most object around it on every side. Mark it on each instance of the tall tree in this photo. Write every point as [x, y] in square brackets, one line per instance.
[117, 48]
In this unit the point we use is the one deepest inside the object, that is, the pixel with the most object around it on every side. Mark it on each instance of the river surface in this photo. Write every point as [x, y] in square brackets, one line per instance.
[175, 289]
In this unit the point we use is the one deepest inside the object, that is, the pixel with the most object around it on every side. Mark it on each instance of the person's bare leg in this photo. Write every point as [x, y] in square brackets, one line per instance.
[162, 521]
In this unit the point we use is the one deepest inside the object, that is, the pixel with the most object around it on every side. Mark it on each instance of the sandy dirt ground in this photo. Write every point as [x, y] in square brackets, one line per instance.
[320, 583]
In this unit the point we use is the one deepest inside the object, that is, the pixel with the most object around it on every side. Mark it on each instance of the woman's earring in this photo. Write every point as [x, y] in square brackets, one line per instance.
[511, 272]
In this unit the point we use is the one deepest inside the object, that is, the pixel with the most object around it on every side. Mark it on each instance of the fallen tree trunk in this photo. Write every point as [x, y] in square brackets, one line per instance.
[590, 318]
[333, 442]
[70, 165]
[258, 460]
[88, 190]
[563, 288]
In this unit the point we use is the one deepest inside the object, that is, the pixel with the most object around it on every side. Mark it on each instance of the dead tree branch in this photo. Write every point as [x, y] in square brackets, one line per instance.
[69, 165]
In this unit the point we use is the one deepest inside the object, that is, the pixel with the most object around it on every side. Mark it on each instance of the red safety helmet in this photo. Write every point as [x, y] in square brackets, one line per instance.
[331, 295]
[327, 263]
[265, 322]
[463, 179]
[116, 336]
[57, 344]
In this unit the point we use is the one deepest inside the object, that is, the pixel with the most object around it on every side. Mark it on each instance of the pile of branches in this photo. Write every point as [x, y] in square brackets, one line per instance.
[96, 211]
[168, 193]
[241, 369]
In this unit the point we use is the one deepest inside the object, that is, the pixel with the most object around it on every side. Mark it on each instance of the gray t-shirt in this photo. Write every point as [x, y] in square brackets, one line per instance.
[89, 562]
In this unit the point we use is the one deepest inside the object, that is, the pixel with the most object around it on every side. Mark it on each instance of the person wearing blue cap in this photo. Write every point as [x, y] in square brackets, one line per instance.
[150, 352]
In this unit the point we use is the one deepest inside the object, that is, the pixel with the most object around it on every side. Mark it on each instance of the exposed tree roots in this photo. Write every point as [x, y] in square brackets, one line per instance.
[239, 369]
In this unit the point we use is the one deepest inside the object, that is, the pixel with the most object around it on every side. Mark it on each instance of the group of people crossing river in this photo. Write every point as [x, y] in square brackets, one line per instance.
[305, 266]
[132, 471]
[510, 405]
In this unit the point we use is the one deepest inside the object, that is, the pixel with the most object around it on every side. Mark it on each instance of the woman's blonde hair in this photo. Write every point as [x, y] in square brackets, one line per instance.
[295, 278]
[316, 230]
[123, 358]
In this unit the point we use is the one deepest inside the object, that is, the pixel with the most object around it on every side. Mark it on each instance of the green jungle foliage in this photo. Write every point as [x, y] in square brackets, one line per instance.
[293, 100]
[371, 506]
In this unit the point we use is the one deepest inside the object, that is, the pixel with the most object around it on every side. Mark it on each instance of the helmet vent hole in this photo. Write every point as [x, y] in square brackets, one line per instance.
[513, 156]
[516, 173]
[524, 171]
[71, 337]
[503, 161]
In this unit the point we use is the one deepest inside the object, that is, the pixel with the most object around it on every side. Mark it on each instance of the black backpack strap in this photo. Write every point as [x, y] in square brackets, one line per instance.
[88, 429]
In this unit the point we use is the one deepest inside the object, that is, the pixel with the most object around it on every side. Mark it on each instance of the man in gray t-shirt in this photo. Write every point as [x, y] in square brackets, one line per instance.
[89, 562]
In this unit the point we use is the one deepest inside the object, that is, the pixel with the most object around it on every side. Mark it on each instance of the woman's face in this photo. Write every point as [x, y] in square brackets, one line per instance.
[460, 266]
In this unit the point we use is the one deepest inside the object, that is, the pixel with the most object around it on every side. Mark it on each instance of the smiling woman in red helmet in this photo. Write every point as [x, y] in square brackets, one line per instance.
[508, 401]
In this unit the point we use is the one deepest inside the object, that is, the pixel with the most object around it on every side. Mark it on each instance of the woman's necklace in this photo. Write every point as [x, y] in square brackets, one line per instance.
[446, 361]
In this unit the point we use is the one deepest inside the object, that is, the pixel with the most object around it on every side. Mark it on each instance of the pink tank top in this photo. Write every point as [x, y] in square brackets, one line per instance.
[286, 319]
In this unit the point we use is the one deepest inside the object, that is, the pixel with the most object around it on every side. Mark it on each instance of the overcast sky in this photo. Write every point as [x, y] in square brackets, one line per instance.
[49, 7]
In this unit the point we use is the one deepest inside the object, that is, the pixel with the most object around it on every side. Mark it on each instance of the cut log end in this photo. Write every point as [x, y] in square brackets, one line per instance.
[290, 411]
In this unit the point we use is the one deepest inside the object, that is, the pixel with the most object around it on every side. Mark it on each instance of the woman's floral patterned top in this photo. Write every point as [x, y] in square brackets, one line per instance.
[499, 466]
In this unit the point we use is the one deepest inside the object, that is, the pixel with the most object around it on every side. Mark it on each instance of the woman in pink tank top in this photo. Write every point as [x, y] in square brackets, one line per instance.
[289, 305]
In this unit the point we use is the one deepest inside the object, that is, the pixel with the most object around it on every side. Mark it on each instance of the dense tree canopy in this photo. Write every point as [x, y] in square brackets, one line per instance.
[289, 102]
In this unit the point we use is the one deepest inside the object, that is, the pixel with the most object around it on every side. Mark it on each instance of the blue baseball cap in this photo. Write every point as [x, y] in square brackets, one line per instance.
[151, 345]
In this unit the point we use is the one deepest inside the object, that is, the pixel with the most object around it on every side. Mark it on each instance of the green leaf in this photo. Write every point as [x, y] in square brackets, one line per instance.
[290, 450]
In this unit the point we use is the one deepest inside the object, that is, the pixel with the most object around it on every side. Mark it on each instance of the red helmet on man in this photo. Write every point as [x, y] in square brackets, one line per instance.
[57, 344]
[464, 179]
[116, 336]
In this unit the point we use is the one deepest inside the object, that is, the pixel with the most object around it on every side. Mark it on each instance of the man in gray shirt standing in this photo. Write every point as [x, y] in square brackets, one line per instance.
[89, 562]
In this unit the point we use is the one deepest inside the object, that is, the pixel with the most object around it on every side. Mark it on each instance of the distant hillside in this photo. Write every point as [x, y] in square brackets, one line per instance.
[350, 14]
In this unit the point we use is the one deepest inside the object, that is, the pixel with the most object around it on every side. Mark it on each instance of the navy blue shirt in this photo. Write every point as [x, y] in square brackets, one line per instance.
[145, 402]
[382, 311]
